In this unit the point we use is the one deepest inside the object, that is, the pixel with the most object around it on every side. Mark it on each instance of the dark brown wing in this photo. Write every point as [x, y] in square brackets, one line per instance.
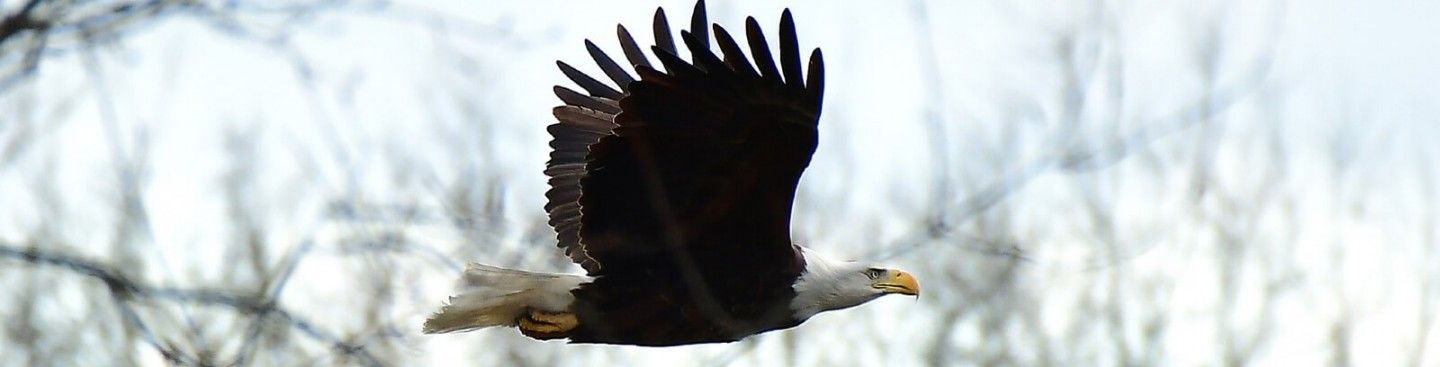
[675, 189]
[582, 121]
[704, 156]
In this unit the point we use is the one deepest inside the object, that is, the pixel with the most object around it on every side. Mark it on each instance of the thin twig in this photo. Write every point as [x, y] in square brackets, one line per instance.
[978, 203]
[123, 290]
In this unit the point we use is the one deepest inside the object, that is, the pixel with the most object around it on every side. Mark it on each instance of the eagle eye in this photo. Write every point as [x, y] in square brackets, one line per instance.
[874, 273]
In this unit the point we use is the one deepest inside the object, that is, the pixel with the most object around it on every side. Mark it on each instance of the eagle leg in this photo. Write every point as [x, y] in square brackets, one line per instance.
[540, 324]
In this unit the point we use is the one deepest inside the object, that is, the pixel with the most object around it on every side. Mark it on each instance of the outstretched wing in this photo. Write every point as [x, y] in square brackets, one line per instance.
[695, 164]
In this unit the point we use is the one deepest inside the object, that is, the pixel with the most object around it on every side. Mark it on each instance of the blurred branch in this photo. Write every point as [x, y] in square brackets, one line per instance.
[21, 20]
[42, 22]
[13, 24]
[938, 139]
[123, 290]
[1080, 161]
[40, 28]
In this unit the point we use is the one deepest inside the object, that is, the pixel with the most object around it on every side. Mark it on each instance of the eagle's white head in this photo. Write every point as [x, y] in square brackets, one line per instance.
[832, 285]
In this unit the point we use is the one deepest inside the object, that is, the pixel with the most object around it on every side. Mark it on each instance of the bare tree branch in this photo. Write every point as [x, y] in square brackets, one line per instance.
[124, 290]
[20, 20]
[1076, 161]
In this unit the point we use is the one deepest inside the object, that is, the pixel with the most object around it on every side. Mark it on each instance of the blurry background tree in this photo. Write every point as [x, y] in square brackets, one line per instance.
[1093, 183]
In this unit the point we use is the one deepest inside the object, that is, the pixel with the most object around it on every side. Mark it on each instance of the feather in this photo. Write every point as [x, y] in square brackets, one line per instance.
[790, 51]
[573, 98]
[815, 83]
[608, 65]
[734, 57]
[663, 42]
[699, 26]
[490, 296]
[595, 87]
[760, 50]
[632, 51]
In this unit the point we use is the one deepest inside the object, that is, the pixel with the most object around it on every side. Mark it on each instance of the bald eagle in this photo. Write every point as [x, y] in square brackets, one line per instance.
[674, 192]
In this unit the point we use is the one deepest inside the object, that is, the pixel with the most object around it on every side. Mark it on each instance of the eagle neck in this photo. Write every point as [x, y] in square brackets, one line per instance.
[817, 288]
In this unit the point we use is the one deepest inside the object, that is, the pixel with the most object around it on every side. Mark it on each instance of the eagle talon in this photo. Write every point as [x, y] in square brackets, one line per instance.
[546, 325]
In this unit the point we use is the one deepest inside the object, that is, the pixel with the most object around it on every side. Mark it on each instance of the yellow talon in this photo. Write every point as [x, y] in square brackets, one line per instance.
[541, 324]
[565, 320]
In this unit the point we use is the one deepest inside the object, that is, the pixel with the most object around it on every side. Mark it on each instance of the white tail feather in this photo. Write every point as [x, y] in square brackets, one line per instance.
[489, 296]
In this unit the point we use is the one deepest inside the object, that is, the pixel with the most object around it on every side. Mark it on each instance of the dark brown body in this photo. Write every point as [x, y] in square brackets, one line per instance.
[669, 312]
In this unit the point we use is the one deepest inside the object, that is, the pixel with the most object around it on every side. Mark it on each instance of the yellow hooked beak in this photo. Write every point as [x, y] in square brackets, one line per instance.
[895, 281]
